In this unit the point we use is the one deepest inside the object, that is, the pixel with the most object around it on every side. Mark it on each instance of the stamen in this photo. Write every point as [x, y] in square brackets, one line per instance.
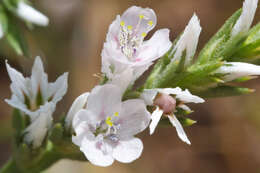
[109, 121]
[143, 34]
[130, 27]
[116, 114]
[141, 16]
[150, 23]
[122, 23]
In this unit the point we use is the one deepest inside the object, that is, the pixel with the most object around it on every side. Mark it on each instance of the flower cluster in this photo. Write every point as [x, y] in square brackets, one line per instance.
[104, 122]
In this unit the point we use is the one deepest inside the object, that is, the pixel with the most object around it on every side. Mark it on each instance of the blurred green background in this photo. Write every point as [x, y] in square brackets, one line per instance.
[227, 136]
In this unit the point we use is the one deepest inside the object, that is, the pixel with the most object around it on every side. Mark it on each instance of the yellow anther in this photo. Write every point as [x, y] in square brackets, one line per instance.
[116, 114]
[141, 16]
[143, 34]
[130, 27]
[150, 23]
[122, 23]
[109, 122]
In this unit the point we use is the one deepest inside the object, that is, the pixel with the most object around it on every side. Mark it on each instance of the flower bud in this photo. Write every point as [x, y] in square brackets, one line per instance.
[165, 102]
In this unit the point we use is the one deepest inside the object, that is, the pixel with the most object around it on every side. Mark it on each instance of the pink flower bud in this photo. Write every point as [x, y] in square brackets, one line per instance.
[165, 103]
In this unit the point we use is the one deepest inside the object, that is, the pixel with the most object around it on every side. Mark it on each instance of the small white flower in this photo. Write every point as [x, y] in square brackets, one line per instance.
[165, 102]
[188, 41]
[28, 13]
[36, 97]
[234, 70]
[105, 129]
[125, 46]
[246, 18]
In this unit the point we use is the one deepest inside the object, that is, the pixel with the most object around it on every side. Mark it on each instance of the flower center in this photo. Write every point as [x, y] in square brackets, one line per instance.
[130, 38]
[108, 128]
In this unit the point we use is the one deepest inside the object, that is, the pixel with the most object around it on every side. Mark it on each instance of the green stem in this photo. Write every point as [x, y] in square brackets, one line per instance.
[10, 167]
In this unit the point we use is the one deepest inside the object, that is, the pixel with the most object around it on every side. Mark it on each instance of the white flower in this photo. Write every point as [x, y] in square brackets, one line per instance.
[27, 13]
[125, 46]
[36, 98]
[234, 70]
[79, 103]
[246, 18]
[105, 129]
[188, 41]
[166, 104]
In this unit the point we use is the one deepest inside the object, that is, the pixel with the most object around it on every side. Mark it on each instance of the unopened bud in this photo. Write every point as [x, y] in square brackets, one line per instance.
[166, 103]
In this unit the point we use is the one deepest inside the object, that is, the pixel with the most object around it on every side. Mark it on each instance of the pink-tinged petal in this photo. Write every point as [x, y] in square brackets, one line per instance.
[142, 20]
[104, 100]
[180, 131]
[84, 115]
[114, 28]
[128, 151]
[156, 47]
[123, 80]
[94, 152]
[82, 131]
[156, 116]
[133, 118]
[76, 106]
[39, 79]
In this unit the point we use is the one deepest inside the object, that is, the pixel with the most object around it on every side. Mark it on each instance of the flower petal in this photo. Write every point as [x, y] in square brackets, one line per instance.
[128, 151]
[234, 70]
[188, 41]
[39, 79]
[156, 116]
[94, 154]
[29, 14]
[59, 88]
[133, 118]
[104, 100]
[84, 115]
[142, 20]
[77, 105]
[246, 18]
[156, 47]
[180, 131]
[148, 95]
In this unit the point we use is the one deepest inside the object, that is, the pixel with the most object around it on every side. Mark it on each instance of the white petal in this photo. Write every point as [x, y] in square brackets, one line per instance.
[94, 154]
[133, 118]
[184, 96]
[29, 14]
[180, 131]
[156, 116]
[59, 88]
[123, 80]
[148, 95]
[39, 79]
[82, 131]
[184, 107]
[18, 82]
[246, 18]
[36, 131]
[156, 47]
[84, 115]
[235, 70]
[132, 17]
[77, 105]
[128, 151]
[104, 100]
[188, 41]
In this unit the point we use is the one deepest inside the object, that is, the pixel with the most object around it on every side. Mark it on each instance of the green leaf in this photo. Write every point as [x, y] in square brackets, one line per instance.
[3, 19]
[224, 91]
[56, 133]
[16, 40]
[250, 48]
[213, 49]
[19, 124]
